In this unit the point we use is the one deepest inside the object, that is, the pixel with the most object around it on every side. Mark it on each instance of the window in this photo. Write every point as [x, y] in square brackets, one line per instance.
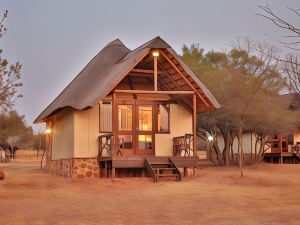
[163, 118]
[145, 117]
[145, 141]
[105, 110]
[125, 117]
[125, 141]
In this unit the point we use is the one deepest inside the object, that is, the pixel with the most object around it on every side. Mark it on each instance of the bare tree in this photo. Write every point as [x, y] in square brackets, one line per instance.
[9, 76]
[290, 64]
[293, 30]
[291, 67]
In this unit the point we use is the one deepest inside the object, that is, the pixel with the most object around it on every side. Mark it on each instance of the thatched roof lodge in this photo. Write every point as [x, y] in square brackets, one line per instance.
[127, 109]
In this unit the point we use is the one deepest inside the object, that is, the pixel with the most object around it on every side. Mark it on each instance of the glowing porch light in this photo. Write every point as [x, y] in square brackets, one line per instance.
[155, 54]
[210, 138]
[48, 131]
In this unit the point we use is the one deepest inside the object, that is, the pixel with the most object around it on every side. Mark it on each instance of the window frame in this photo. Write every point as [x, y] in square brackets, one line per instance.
[156, 107]
[155, 114]
[100, 122]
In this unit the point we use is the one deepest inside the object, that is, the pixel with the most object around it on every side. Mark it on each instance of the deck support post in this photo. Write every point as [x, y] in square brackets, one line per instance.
[194, 129]
[114, 132]
[105, 170]
[280, 136]
[185, 171]
[194, 125]
[114, 124]
[113, 172]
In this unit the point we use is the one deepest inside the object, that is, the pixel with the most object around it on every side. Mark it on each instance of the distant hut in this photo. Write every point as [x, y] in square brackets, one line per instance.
[285, 147]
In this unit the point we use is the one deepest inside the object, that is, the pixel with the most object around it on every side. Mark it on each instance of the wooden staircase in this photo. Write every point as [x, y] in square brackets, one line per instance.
[162, 167]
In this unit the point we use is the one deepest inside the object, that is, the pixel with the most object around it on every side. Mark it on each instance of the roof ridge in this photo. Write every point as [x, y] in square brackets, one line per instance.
[154, 41]
[116, 42]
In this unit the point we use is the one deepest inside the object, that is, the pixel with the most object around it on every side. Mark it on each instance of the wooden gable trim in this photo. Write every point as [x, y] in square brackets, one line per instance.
[185, 78]
[128, 71]
[170, 77]
[156, 92]
[145, 71]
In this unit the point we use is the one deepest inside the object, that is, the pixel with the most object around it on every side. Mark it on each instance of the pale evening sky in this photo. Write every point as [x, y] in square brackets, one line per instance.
[55, 39]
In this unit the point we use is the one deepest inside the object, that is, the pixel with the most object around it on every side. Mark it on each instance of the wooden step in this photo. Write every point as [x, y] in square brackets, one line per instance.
[160, 163]
[177, 176]
[168, 175]
[156, 168]
[166, 168]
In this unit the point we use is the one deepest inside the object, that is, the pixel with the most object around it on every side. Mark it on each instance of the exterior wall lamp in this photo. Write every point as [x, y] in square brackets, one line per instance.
[210, 138]
[48, 131]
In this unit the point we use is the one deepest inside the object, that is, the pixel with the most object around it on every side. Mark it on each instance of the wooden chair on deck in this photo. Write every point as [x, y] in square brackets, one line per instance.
[297, 147]
[189, 141]
[183, 144]
[105, 141]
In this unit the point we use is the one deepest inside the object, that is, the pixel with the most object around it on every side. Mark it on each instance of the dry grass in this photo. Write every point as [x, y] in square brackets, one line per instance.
[268, 194]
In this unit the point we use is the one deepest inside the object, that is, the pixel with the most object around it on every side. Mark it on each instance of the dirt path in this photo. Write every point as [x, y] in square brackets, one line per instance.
[268, 194]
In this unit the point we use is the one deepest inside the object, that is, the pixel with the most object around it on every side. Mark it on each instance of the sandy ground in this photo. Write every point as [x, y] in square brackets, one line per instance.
[268, 194]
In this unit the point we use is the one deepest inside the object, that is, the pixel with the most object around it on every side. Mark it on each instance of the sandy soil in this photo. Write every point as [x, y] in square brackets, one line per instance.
[268, 194]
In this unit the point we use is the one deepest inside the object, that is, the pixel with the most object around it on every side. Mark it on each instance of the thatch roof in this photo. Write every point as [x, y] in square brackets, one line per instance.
[106, 70]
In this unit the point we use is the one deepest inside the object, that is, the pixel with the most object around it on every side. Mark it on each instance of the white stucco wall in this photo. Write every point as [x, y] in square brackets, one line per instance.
[62, 134]
[296, 137]
[181, 122]
[86, 132]
[248, 143]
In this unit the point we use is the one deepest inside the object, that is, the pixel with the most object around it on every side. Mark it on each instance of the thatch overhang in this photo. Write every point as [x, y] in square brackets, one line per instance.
[114, 62]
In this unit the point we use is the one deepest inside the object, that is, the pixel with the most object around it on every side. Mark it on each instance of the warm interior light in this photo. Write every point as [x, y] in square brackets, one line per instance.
[155, 54]
[145, 125]
[148, 139]
[48, 131]
[210, 138]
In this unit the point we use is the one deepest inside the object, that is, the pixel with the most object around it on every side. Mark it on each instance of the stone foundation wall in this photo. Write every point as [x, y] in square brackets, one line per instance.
[77, 168]
[85, 168]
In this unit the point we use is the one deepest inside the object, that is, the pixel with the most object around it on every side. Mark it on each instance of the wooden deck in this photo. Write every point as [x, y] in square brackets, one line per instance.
[139, 161]
[283, 157]
[110, 164]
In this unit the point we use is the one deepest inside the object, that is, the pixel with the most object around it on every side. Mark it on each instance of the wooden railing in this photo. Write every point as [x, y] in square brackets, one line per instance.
[183, 144]
[176, 167]
[296, 148]
[150, 170]
[106, 143]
